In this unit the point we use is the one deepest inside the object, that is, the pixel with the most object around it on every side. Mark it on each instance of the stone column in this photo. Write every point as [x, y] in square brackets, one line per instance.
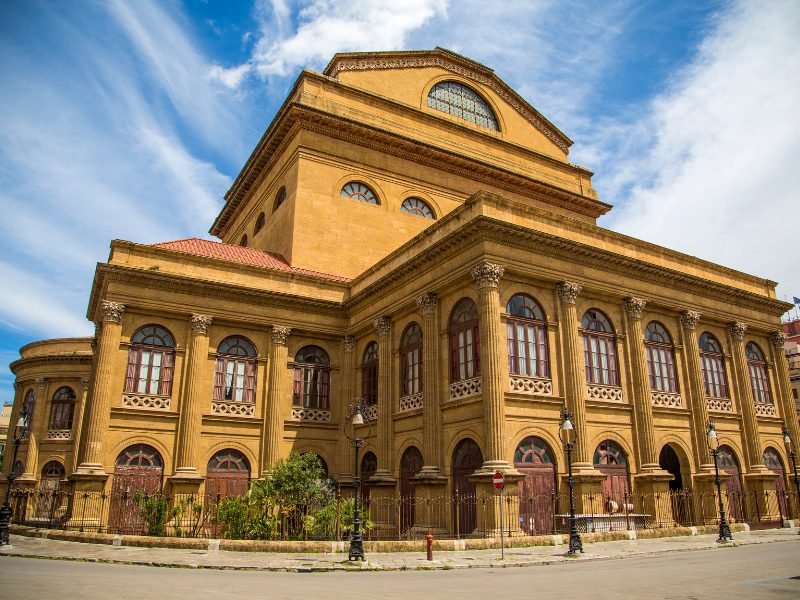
[92, 450]
[36, 433]
[186, 478]
[744, 393]
[273, 420]
[697, 394]
[348, 373]
[383, 325]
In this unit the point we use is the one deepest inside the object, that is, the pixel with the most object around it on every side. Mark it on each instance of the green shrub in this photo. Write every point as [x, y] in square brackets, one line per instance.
[153, 510]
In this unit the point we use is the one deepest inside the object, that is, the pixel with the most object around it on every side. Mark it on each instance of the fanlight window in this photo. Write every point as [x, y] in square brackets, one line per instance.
[235, 371]
[464, 341]
[62, 409]
[714, 377]
[259, 223]
[533, 451]
[599, 349]
[312, 379]
[369, 374]
[460, 101]
[660, 358]
[53, 470]
[527, 337]
[757, 366]
[772, 459]
[140, 455]
[415, 206]
[358, 191]
[151, 361]
[411, 360]
[227, 461]
[609, 453]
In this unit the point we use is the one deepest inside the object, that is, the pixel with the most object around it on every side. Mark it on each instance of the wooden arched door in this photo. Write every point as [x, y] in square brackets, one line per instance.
[228, 474]
[138, 472]
[669, 460]
[48, 501]
[727, 463]
[467, 459]
[369, 464]
[410, 465]
[610, 460]
[772, 460]
[537, 491]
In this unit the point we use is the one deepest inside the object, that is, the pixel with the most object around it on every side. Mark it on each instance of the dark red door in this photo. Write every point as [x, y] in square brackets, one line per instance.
[467, 459]
[610, 460]
[138, 474]
[733, 486]
[774, 463]
[228, 474]
[410, 465]
[537, 491]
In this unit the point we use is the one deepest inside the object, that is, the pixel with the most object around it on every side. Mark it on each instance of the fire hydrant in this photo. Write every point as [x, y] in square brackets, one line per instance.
[429, 539]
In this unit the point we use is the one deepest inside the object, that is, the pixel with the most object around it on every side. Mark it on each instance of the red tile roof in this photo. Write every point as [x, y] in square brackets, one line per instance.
[238, 254]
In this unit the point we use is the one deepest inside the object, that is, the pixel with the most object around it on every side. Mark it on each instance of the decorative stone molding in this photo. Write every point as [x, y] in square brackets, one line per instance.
[668, 399]
[634, 307]
[737, 330]
[112, 311]
[200, 324]
[411, 402]
[59, 434]
[279, 334]
[314, 415]
[608, 393]
[487, 274]
[383, 325]
[719, 404]
[84, 382]
[532, 386]
[465, 388]
[370, 413]
[568, 291]
[348, 343]
[41, 382]
[234, 409]
[145, 401]
[778, 339]
[689, 319]
[17, 385]
[765, 410]
[427, 303]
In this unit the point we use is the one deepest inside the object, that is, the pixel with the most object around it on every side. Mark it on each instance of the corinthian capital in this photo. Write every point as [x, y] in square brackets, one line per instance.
[689, 319]
[279, 334]
[427, 303]
[382, 325]
[112, 311]
[84, 382]
[568, 291]
[200, 324]
[737, 330]
[41, 382]
[778, 339]
[634, 307]
[487, 274]
[348, 343]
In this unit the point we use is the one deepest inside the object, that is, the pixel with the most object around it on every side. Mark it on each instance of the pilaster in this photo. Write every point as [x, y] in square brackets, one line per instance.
[429, 308]
[273, 420]
[383, 474]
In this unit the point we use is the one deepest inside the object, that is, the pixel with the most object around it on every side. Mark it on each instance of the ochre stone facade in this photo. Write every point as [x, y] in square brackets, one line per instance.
[326, 276]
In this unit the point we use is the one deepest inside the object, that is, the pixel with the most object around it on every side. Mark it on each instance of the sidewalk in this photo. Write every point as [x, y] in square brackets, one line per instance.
[268, 561]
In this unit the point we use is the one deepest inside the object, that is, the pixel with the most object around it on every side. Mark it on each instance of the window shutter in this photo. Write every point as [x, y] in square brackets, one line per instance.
[250, 382]
[219, 372]
[326, 383]
[130, 375]
[477, 349]
[297, 387]
[165, 382]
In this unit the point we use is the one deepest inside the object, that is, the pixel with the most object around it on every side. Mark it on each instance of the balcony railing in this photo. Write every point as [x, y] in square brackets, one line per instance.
[719, 404]
[314, 415]
[59, 434]
[668, 399]
[608, 393]
[465, 388]
[532, 386]
[235, 409]
[148, 401]
[411, 402]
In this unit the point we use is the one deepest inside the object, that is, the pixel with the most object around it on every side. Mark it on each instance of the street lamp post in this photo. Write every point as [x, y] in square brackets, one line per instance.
[790, 449]
[712, 441]
[354, 418]
[568, 437]
[5, 512]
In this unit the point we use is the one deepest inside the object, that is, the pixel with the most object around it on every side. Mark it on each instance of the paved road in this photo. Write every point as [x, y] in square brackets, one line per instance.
[747, 572]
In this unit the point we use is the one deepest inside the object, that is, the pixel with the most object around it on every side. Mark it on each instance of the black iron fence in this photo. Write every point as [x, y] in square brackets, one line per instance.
[388, 518]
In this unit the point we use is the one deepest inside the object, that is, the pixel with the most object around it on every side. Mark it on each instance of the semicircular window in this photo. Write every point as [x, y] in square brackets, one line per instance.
[415, 206]
[358, 191]
[460, 101]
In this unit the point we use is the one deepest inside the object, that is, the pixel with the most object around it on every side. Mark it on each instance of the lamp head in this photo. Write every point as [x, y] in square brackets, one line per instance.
[711, 436]
[786, 438]
[566, 430]
[358, 418]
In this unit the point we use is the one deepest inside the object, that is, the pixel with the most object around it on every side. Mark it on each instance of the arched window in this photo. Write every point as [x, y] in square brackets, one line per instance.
[29, 407]
[714, 378]
[312, 379]
[757, 366]
[599, 349]
[140, 455]
[280, 198]
[62, 409]
[660, 358]
[460, 101]
[235, 372]
[369, 374]
[358, 191]
[772, 459]
[411, 360]
[533, 451]
[527, 337]
[53, 470]
[151, 360]
[227, 461]
[464, 341]
[243, 241]
[415, 206]
[260, 220]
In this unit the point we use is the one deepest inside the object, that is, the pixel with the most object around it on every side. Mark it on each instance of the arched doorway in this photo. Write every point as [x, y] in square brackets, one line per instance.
[610, 460]
[727, 462]
[669, 460]
[410, 465]
[772, 460]
[467, 458]
[537, 491]
[49, 500]
[228, 474]
[369, 464]
[138, 473]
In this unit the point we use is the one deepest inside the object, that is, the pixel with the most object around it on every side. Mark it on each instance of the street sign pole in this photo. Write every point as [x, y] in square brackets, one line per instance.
[499, 483]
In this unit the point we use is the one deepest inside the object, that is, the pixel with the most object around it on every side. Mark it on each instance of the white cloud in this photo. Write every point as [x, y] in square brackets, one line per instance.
[712, 173]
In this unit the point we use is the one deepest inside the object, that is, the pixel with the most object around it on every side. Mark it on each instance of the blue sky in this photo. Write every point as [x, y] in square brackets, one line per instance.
[130, 120]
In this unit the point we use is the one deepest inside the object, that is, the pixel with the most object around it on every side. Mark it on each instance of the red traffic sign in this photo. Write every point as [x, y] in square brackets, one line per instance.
[498, 480]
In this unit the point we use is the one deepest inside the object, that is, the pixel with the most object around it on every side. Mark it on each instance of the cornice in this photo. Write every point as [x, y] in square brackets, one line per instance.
[46, 359]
